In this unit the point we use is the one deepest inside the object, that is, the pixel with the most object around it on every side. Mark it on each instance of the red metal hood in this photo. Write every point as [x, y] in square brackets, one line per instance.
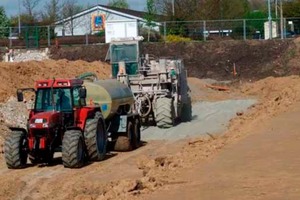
[46, 117]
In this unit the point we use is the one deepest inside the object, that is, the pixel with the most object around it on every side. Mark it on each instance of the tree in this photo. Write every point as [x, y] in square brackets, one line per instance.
[69, 9]
[52, 11]
[29, 6]
[4, 23]
[225, 9]
[291, 8]
[118, 4]
[150, 16]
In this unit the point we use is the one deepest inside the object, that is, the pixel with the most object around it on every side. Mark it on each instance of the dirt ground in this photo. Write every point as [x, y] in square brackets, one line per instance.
[254, 159]
[161, 167]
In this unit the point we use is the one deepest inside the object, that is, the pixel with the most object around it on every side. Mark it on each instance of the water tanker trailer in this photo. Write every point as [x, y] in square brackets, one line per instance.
[77, 117]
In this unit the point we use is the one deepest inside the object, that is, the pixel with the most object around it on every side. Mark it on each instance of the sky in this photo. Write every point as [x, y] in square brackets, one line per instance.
[11, 6]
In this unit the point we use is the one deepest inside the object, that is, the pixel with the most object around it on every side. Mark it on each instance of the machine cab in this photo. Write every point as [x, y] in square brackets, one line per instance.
[124, 50]
[58, 95]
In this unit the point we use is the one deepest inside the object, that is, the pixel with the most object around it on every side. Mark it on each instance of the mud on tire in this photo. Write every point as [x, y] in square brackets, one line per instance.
[73, 152]
[164, 113]
[95, 138]
[15, 150]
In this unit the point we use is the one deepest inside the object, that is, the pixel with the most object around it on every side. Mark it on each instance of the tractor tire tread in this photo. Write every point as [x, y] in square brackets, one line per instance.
[70, 149]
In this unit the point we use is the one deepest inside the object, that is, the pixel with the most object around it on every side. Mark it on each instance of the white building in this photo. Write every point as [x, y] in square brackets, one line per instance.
[93, 20]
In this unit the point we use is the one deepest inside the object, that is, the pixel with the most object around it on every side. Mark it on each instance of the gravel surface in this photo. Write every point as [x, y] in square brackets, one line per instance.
[36, 55]
[208, 118]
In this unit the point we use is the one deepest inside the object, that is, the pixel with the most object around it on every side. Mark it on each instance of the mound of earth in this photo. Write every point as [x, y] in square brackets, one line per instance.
[23, 74]
[252, 59]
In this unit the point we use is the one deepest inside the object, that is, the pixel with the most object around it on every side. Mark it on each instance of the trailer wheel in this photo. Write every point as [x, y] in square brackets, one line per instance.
[95, 138]
[186, 112]
[125, 143]
[16, 150]
[164, 113]
[73, 153]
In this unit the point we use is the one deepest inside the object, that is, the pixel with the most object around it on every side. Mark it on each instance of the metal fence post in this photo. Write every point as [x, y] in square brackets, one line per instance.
[49, 36]
[86, 39]
[10, 39]
[165, 31]
[204, 30]
[284, 27]
[245, 30]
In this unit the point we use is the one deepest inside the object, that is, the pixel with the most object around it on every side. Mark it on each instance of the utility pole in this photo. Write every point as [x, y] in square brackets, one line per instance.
[270, 20]
[276, 9]
[173, 7]
[19, 17]
[281, 20]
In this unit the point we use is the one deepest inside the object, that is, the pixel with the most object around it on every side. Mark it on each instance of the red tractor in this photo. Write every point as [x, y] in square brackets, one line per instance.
[62, 121]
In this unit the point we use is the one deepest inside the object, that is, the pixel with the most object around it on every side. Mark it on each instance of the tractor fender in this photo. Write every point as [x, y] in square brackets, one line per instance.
[18, 129]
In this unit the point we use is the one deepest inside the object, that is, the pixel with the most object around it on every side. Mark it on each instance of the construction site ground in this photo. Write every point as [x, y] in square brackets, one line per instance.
[241, 144]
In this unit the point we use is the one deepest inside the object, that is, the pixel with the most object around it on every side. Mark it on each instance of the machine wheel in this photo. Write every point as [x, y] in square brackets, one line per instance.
[73, 153]
[164, 115]
[16, 150]
[95, 138]
[186, 112]
[126, 143]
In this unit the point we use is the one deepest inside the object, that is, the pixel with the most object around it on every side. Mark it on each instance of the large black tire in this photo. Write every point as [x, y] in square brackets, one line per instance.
[16, 150]
[164, 113]
[73, 152]
[186, 112]
[126, 143]
[95, 138]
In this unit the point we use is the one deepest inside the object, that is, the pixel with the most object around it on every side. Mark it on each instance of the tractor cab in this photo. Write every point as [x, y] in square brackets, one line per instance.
[57, 96]
[124, 56]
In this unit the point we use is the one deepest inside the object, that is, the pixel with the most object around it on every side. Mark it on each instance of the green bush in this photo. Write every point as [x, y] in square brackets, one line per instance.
[176, 38]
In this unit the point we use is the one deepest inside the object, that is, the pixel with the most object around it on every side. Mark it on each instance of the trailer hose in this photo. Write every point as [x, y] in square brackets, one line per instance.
[87, 76]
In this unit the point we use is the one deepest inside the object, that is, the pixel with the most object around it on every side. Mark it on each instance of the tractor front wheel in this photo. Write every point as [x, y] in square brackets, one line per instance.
[95, 138]
[73, 152]
[16, 150]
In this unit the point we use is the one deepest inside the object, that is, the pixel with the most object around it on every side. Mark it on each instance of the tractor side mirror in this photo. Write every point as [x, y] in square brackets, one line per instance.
[20, 95]
[82, 93]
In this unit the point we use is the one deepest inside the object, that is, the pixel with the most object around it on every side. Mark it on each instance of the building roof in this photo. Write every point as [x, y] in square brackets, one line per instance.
[134, 14]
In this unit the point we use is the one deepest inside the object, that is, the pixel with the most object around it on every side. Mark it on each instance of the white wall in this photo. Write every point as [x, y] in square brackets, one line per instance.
[82, 25]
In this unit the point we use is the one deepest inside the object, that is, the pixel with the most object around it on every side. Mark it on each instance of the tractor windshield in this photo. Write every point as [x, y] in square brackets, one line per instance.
[124, 52]
[59, 99]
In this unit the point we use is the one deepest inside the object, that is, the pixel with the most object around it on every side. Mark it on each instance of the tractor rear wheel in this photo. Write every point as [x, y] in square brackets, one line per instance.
[16, 150]
[164, 113]
[126, 143]
[95, 138]
[186, 112]
[73, 152]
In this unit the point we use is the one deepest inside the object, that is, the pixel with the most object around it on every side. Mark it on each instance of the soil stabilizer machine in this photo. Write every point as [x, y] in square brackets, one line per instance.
[78, 117]
[160, 86]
